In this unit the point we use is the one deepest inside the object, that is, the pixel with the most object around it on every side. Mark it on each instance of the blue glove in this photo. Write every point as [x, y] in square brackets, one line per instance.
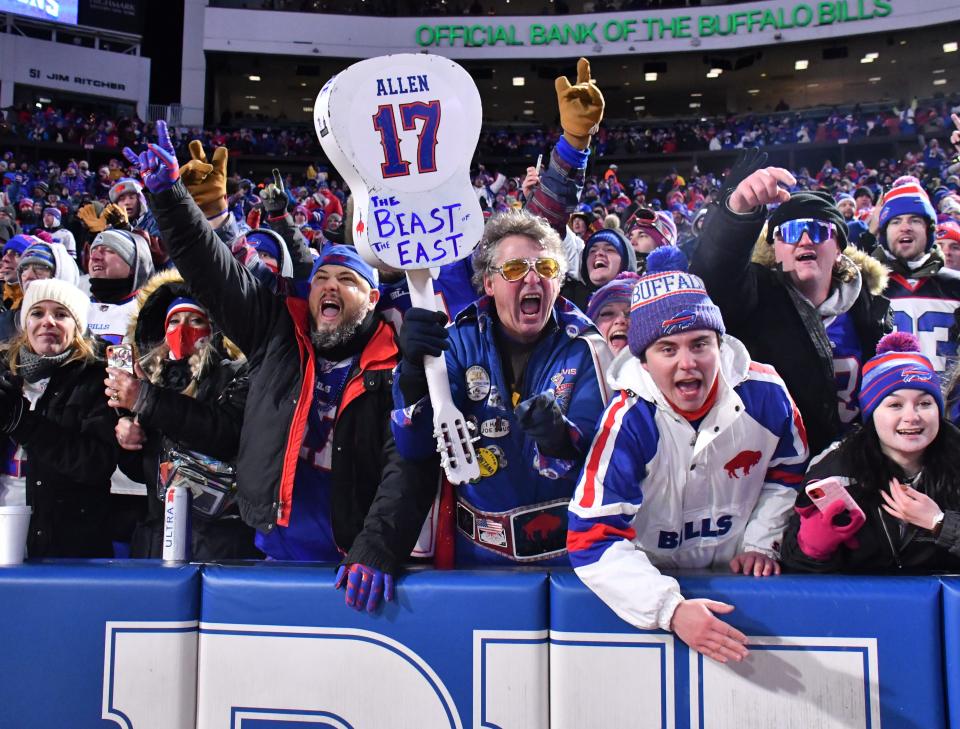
[365, 585]
[541, 418]
[158, 166]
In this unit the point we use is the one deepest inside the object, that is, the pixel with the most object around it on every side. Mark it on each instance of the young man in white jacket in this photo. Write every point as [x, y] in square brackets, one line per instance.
[695, 465]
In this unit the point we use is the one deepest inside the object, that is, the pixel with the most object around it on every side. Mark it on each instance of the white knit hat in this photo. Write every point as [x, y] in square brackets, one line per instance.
[66, 294]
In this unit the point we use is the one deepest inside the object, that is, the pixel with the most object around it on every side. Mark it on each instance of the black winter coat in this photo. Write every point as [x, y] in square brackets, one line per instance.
[71, 452]
[378, 500]
[880, 545]
[760, 309]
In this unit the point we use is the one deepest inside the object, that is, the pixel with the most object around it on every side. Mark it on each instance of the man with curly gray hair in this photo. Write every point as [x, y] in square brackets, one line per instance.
[526, 368]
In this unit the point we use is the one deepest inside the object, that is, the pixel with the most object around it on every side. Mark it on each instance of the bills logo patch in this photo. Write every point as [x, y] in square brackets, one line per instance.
[679, 322]
[912, 375]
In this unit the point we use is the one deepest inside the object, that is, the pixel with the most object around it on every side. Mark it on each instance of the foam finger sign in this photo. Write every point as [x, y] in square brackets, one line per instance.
[402, 130]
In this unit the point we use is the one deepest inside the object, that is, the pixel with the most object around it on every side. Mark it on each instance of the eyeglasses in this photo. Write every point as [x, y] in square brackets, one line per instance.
[515, 269]
[819, 231]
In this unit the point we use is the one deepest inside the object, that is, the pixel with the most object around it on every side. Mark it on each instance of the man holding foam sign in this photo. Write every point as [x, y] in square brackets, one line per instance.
[524, 367]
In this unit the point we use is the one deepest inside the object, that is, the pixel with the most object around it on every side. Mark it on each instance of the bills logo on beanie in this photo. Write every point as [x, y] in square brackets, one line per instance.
[907, 198]
[897, 366]
[668, 300]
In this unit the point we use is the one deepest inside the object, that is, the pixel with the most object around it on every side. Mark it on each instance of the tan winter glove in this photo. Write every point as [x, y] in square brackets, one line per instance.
[112, 216]
[581, 106]
[115, 217]
[207, 183]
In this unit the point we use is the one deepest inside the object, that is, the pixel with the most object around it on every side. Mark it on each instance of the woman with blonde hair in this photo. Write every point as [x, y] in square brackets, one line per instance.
[61, 451]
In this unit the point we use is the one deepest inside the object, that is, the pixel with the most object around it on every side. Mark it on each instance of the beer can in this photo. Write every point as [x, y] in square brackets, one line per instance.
[176, 524]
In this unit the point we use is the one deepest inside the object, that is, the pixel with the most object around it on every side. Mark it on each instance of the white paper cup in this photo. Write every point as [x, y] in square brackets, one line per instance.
[14, 524]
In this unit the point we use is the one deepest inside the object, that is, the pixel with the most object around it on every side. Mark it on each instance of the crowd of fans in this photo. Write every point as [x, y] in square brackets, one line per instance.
[700, 328]
[615, 140]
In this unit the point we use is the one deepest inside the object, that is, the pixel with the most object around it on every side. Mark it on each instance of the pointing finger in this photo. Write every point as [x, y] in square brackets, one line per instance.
[277, 179]
[583, 71]
[196, 151]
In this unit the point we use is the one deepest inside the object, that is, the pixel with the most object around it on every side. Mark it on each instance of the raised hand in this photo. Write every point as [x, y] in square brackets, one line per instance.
[581, 106]
[274, 196]
[206, 182]
[365, 586]
[761, 188]
[158, 166]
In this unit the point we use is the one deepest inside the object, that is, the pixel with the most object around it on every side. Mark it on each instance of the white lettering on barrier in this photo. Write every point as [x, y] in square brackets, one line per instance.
[600, 679]
[356, 677]
[789, 683]
[150, 674]
[510, 679]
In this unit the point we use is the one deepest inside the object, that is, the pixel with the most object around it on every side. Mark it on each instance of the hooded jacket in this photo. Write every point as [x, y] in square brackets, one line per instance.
[65, 270]
[780, 327]
[580, 291]
[657, 493]
[110, 320]
[378, 500]
[207, 422]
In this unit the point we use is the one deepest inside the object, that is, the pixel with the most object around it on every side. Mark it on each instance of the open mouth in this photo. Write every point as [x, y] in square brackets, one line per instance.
[688, 389]
[329, 309]
[599, 264]
[909, 431]
[806, 257]
[530, 304]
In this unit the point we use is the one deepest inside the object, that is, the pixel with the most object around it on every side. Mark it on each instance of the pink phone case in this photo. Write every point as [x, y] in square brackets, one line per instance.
[824, 492]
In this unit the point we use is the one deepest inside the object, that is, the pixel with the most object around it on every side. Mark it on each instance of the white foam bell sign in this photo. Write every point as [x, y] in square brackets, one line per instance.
[402, 131]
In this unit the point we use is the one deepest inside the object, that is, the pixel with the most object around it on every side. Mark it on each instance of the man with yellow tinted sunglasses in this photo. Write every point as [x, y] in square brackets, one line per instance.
[526, 369]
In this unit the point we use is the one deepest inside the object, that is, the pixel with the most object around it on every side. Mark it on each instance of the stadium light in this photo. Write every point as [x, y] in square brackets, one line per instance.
[650, 76]
[639, 108]
[874, 79]
[695, 94]
[939, 70]
[253, 78]
[694, 104]
[753, 92]
[254, 107]
[950, 47]
[308, 108]
[801, 65]
[528, 112]
[519, 81]
[940, 82]
[867, 59]
[529, 101]
[874, 55]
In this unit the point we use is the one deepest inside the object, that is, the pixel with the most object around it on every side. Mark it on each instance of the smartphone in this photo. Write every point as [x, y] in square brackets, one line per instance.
[539, 162]
[824, 492]
[121, 357]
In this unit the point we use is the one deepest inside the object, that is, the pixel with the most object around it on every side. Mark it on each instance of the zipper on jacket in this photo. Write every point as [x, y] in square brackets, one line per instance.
[883, 523]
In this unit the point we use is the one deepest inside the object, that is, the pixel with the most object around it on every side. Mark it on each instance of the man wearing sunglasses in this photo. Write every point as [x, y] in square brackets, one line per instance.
[806, 304]
[526, 368]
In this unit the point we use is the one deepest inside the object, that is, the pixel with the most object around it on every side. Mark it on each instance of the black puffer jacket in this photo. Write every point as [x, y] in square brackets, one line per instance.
[71, 453]
[207, 422]
[762, 310]
[378, 500]
[881, 548]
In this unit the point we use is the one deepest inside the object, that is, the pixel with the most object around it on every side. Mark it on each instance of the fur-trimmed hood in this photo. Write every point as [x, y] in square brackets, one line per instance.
[873, 273]
[146, 330]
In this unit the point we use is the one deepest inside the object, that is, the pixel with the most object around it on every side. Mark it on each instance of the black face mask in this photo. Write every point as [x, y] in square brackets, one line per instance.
[111, 290]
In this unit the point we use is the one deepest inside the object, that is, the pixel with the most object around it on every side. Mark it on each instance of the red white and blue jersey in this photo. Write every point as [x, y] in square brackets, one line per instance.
[452, 288]
[657, 493]
[846, 366]
[925, 307]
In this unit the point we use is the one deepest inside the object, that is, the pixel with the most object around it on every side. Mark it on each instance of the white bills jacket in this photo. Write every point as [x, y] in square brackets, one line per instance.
[656, 493]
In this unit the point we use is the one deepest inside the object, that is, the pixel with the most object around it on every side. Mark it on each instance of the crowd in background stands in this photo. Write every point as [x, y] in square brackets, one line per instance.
[930, 118]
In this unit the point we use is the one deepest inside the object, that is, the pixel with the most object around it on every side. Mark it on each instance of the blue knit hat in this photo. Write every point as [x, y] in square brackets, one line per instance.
[668, 300]
[908, 198]
[619, 289]
[614, 237]
[19, 243]
[897, 366]
[38, 252]
[347, 257]
[265, 242]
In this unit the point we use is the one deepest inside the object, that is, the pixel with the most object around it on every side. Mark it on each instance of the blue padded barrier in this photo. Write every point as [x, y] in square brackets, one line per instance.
[94, 644]
[827, 651]
[951, 645]
[278, 648]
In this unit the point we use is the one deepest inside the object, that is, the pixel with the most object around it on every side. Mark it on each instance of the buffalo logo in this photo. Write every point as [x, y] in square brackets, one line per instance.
[679, 322]
[916, 375]
[743, 460]
[541, 526]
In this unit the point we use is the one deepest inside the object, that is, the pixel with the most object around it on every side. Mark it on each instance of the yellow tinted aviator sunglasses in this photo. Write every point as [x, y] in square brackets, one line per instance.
[515, 269]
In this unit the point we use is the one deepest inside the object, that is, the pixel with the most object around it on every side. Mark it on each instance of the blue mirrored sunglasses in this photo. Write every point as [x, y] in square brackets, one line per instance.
[790, 232]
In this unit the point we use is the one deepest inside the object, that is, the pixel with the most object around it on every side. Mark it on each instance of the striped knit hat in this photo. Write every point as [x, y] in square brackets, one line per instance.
[897, 366]
[907, 198]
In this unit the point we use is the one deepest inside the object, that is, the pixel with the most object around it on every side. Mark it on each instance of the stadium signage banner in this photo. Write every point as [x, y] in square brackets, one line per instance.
[739, 26]
[55, 11]
[646, 27]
